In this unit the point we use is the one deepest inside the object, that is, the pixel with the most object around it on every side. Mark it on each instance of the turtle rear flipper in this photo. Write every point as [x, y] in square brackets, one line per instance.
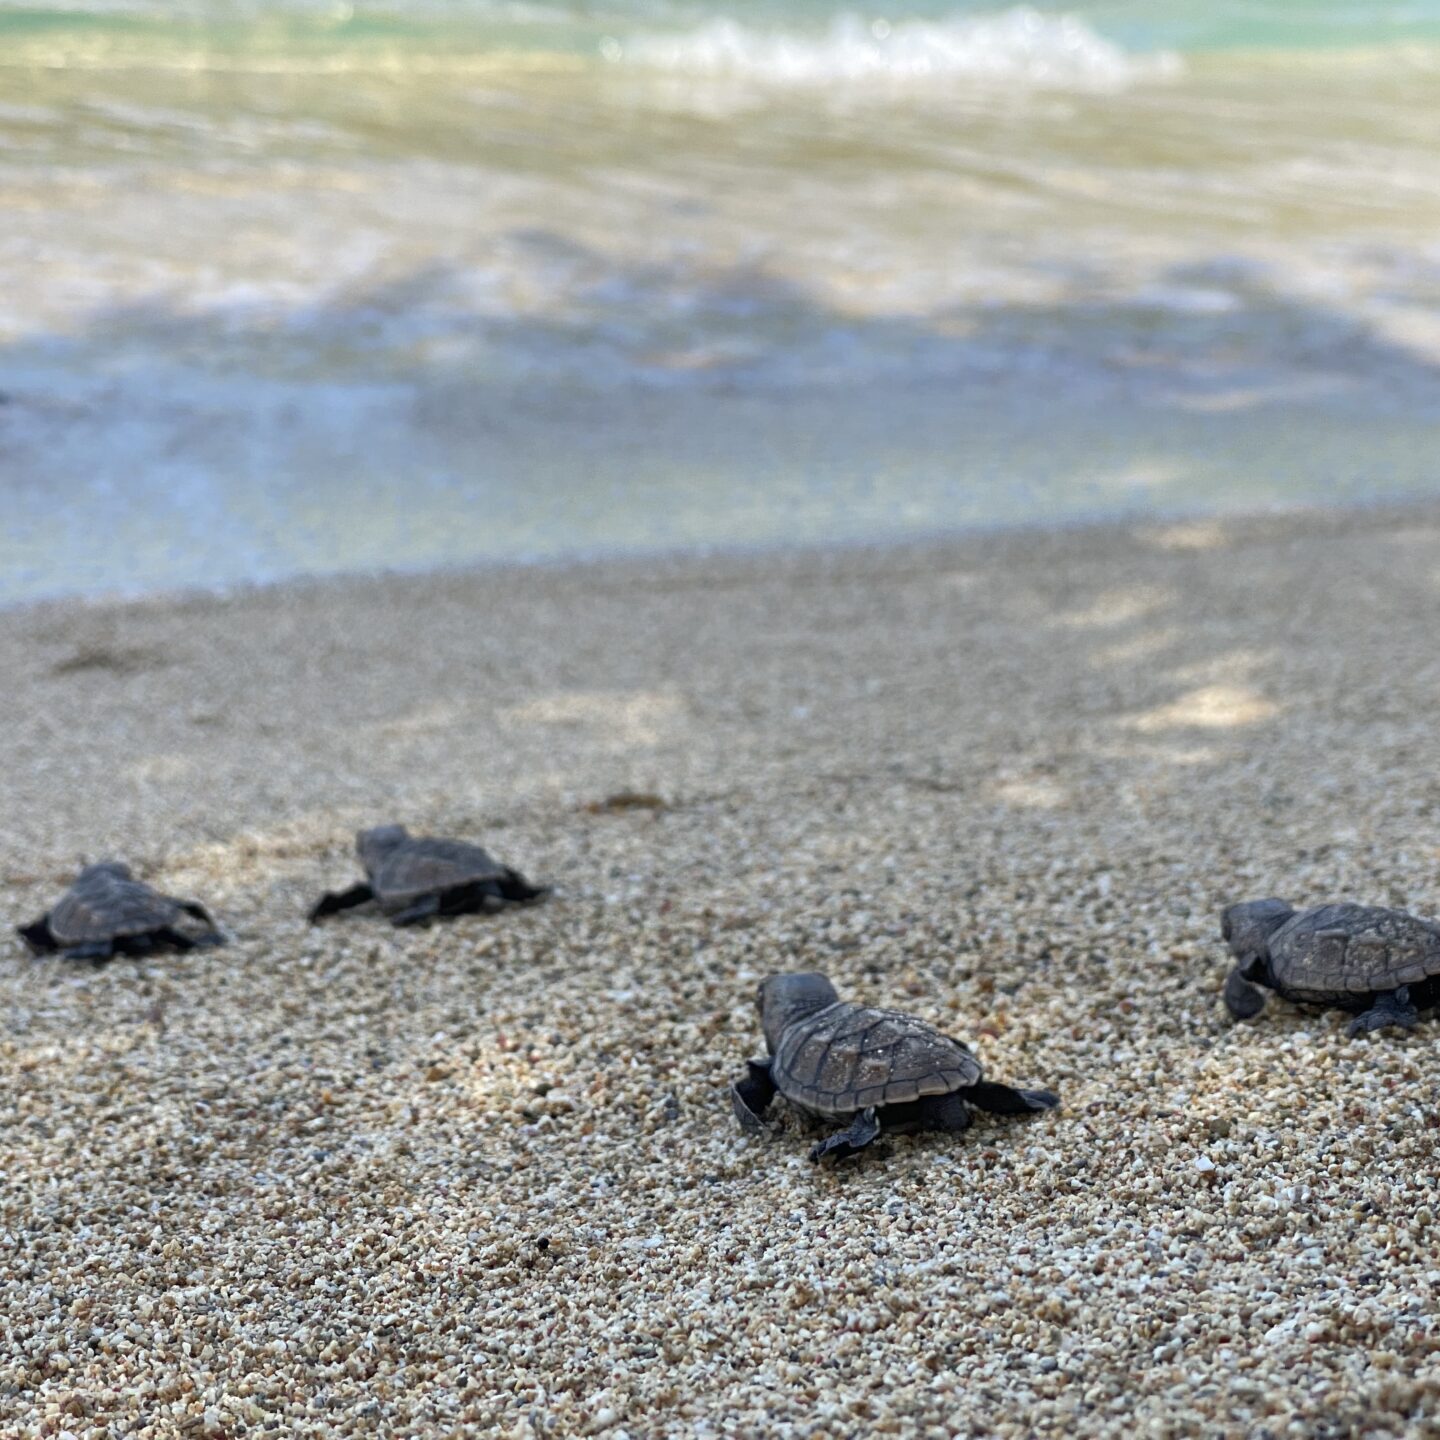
[517, 889]
[1008, 1100]
[38, 937]
[334, 901]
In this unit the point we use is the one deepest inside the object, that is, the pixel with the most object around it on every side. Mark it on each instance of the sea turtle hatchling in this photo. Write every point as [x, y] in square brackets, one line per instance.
[107, 910]
[414, 878]
[834, 1060]
[1382, 965]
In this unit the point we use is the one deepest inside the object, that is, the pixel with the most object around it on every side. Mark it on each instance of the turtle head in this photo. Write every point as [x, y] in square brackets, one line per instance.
[784, 999]
[374, 845]
[114, 868]
[1246, 929]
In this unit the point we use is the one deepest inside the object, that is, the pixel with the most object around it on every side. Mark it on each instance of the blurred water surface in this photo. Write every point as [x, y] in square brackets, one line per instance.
[292, 287]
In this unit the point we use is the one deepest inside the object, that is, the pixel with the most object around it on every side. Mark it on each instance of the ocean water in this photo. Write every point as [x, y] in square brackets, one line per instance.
[304, 286]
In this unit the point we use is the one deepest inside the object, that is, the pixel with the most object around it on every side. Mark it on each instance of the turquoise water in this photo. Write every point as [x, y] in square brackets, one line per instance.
[1189, 26]
[292, 287]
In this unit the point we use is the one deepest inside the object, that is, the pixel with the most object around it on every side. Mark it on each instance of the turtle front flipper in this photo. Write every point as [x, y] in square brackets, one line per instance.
[1007, 1100]
[1243, 1000]
[859, 1133]
[1394, 1007]
[336, 900]
[38, 937]
[750, 1096]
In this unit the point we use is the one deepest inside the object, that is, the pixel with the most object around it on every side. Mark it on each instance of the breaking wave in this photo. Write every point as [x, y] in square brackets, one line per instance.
[1016, 45]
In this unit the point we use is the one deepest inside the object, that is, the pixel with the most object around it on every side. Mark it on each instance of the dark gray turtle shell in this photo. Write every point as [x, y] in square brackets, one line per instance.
[847, 1057]
[425, 865]
[1334, 952]
[107, 903]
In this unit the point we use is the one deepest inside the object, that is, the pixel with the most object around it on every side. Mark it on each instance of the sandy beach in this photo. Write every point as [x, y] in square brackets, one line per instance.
[483, 1179]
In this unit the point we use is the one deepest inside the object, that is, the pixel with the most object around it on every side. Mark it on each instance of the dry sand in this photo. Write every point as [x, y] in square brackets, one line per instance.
[483, 1180]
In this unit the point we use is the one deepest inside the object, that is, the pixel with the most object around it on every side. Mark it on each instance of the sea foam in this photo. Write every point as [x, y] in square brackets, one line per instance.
[1015, 45]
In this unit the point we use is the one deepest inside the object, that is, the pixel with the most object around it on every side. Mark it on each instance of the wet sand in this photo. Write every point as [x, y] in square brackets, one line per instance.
[483, 1179]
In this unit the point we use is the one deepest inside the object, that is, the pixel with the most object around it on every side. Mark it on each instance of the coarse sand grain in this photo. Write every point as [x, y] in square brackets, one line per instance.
[483, 1179]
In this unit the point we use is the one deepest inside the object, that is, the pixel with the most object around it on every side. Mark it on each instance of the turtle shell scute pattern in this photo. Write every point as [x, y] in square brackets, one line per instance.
[848, 1057]
[106, 907]
[426, 866]
[1354, 949]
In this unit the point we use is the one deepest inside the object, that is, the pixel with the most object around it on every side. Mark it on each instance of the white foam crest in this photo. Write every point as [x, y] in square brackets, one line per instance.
[1015, 45]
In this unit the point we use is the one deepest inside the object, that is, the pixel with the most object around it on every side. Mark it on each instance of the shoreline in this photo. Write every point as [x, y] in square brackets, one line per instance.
[483, 1179]
[1382, 510]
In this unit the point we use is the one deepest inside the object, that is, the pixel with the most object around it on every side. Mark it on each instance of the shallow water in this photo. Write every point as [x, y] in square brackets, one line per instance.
[295, 288]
